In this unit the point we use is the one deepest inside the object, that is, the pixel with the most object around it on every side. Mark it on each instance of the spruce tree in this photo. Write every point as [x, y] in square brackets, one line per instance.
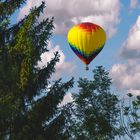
[28, 105]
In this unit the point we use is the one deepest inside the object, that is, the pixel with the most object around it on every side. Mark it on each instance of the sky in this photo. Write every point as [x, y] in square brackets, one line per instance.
[121, 54]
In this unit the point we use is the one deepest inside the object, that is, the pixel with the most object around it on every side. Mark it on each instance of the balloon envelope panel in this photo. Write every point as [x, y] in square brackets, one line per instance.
[86, 40]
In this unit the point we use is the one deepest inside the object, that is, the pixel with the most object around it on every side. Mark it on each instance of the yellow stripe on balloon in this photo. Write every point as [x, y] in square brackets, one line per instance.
[86, 40]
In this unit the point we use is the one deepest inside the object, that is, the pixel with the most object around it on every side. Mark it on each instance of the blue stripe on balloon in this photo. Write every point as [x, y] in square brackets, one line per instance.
[78, 52]
[83, 55]
[95, 53]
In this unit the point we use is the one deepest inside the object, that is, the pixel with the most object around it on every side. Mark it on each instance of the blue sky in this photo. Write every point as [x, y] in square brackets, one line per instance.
[119, 18]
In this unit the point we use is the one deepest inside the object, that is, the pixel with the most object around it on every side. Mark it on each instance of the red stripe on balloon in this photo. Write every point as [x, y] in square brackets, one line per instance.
[85, 60]
[89, 27]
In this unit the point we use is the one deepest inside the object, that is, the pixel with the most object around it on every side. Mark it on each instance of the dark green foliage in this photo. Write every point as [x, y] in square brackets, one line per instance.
[95, 109]
[28, 107]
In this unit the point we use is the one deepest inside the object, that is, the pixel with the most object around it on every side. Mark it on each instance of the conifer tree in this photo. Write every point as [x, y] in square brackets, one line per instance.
[28, 105]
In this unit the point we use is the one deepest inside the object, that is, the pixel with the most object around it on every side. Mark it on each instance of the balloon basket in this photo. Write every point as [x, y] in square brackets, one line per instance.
[87, 68]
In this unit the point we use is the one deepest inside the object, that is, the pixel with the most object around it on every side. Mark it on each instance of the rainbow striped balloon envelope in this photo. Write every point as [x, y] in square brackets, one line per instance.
[86, 40]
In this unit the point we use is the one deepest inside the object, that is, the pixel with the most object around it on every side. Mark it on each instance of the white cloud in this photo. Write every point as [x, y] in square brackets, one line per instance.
[67, 99]
[62, 67]
[134, 92]
[131, 47]
[133, 3]
[126, 76]
[67, 13]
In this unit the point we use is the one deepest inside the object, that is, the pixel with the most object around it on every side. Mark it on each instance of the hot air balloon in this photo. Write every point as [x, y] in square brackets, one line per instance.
[86, 40]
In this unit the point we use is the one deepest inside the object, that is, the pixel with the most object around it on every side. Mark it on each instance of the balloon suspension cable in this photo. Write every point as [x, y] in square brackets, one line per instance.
[87, 68]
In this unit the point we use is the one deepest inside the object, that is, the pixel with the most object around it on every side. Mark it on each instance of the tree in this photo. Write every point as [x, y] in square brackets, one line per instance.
[28, 105]
[95, 110]
[130, 116]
